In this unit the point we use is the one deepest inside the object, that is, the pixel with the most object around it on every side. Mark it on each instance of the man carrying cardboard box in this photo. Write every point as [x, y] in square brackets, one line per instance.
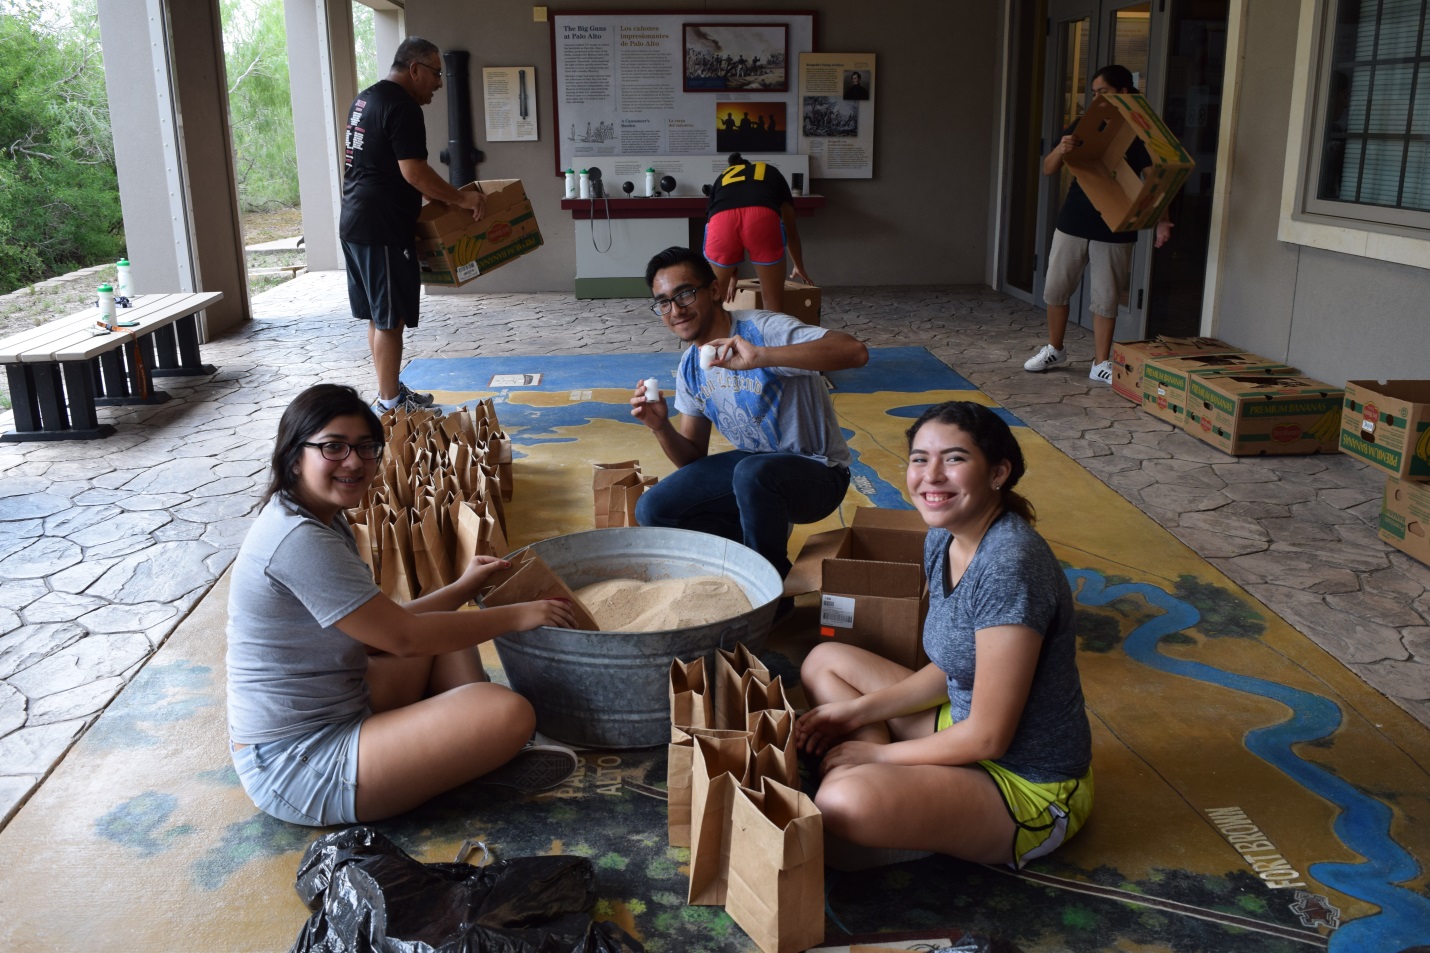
[385, 177]
[759, 383]
[1082, 238]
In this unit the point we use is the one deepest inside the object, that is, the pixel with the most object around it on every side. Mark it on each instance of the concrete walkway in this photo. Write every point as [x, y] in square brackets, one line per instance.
[106, 545]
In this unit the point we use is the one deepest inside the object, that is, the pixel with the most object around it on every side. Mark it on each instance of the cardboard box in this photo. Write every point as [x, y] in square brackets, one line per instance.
[1387, 424]
[1126, 200]
[1128, 357]
[1256, 413]
[1165, 379]
[871, 581]
[1405, 517]
[801, 301]
[452, 248]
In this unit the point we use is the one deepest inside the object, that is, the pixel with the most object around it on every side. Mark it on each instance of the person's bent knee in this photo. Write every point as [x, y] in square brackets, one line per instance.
[843, 800]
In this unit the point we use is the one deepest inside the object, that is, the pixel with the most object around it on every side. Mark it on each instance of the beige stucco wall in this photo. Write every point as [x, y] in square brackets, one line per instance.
[1335, 316]
[922, 219]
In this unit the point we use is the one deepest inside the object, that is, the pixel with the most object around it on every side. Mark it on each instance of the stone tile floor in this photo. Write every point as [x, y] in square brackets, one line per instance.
[106, 545]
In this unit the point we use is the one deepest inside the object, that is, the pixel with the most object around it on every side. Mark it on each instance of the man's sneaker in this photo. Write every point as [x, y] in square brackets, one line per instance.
[535, 768]
[1047, 356]
[1102, 373]
[409, 396]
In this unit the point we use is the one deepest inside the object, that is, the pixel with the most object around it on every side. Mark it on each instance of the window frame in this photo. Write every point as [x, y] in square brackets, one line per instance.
[1371, 231]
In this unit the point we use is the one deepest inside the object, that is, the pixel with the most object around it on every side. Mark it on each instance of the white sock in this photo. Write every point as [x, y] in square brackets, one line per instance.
[388, 404]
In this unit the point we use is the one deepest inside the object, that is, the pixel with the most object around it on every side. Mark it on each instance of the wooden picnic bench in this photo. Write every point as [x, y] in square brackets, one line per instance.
[61, 371]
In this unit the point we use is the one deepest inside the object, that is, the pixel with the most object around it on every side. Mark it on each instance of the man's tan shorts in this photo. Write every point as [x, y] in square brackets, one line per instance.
[1109, 276]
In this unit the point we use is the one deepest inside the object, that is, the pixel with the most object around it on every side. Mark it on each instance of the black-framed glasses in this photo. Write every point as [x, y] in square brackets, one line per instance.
[683, 298]
[337, 450]
[435, 72]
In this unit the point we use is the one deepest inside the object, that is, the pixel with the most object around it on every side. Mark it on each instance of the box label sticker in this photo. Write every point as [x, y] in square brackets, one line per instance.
[470, 270]
[836, 611]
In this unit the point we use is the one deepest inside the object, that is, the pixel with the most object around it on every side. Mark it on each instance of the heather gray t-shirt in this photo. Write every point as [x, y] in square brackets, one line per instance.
[290, 670]
[769, 409]
[1014, 579]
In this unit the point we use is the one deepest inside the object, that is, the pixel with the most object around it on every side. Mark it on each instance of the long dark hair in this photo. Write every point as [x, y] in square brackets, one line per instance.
[994, 440]
[308, 413]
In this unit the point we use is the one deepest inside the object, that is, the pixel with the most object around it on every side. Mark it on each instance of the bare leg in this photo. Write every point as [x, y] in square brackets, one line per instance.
[1057, 324]
[1102, 328]
[394, 682]
[409, 755]
[772, 286]
[386, 347]
[724, 282]
[952, 810]
[834, 672]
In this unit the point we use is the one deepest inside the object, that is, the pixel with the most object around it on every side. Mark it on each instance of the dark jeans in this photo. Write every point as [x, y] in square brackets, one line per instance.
[751, 498]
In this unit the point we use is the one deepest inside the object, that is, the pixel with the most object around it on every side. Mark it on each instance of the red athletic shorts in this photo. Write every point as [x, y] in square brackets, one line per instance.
[755, 228]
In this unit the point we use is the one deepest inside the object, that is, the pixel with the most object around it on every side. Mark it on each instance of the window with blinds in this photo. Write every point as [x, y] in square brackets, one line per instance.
[1375, 126]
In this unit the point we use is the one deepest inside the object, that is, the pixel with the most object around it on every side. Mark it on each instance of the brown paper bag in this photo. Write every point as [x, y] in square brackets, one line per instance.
[774, 753]
[434, 566]
[679, 779]
[395, 563]
[763, 696]
[531, 580]
[690, 703]
[734, 670]
[717, 766]
[776, 890]
[604, 476]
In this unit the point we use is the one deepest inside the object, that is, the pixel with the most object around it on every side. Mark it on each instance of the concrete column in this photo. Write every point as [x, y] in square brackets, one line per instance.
[168, 99]
[318, 124]
[390, 29]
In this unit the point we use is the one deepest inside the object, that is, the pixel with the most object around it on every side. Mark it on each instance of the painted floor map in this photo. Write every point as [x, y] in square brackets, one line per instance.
[1252, 794]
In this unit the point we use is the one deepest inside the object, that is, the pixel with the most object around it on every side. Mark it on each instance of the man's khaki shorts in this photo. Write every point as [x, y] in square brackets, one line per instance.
[1109, 274]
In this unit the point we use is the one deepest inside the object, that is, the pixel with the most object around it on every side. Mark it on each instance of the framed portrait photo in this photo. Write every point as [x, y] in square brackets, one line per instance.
[736, 57]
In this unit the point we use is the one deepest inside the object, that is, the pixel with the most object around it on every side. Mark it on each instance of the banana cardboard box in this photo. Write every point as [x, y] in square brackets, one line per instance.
[1387, 424]
[1125, 200]
[1405, 517]
[1260, 412]
[452, 248]
[1129, 356]
[1166, 380]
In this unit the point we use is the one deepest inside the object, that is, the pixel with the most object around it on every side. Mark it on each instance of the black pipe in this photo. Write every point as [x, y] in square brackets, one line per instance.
[461, 155]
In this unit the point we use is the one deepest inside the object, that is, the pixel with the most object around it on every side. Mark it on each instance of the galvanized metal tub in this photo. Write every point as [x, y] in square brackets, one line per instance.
[609, 689]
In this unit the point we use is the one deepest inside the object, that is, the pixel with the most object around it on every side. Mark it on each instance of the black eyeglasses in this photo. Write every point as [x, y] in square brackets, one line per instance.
[682, 298]
[435, 72]
[337, 450]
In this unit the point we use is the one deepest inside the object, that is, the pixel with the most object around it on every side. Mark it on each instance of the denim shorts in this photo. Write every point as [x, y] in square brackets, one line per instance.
[307, 779]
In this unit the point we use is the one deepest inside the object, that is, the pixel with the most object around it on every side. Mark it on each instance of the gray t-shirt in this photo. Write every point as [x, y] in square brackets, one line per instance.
[769, 409]
[290, 670]
[1014, 579]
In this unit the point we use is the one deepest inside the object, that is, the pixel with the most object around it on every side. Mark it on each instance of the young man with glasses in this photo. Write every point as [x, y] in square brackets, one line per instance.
[764, 393]
[386, 176]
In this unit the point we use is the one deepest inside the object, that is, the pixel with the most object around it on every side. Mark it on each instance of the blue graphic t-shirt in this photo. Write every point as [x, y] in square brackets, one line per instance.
[769, 409]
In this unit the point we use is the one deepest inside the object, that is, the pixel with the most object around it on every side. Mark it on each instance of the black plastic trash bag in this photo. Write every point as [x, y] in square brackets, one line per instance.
[368, 896]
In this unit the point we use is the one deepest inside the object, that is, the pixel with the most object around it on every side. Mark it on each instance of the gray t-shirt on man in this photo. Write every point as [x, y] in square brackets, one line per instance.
[768, 409]
[1014, 579]
[290, 670]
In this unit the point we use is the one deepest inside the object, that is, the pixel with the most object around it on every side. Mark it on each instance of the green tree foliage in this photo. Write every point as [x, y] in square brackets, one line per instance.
[59, 193]
[259, 104]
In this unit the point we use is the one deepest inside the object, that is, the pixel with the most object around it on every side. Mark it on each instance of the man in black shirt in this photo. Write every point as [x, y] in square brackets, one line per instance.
[1081, 241]
[385, 178]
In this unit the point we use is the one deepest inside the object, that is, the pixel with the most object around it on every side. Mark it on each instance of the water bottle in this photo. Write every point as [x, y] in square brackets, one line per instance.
[570, 183]
[125, 288]
[106, 306]
[585, 183]
[652, 389]
[649, 183]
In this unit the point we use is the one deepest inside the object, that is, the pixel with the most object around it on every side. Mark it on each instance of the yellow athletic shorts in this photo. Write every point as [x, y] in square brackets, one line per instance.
[1046, 815]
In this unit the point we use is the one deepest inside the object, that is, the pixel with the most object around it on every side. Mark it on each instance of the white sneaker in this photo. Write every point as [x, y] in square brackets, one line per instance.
[1102, 373]
[1047, 356]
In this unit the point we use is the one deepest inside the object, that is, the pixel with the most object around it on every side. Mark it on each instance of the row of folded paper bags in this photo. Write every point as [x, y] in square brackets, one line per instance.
[439, 498]
[756, 841]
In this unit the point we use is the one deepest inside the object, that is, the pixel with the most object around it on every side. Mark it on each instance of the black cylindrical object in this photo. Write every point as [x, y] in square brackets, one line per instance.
[461, 154]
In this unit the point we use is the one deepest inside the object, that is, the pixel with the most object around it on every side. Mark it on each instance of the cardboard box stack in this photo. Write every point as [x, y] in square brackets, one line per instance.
[1128, 358]
[870, 576]
[1125, 200]
[801, 301]
[1387, 424]
[1166, 380]
[452, 248]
